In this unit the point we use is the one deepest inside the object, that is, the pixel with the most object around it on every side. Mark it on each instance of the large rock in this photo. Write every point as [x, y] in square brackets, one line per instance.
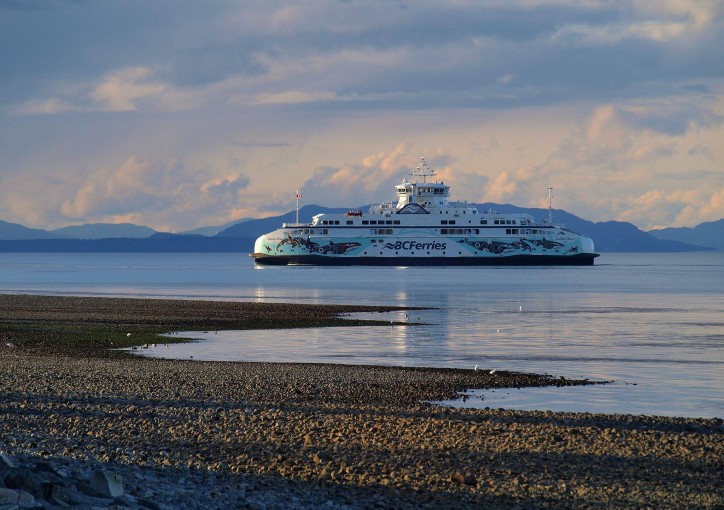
[16, 499]
[107, 483]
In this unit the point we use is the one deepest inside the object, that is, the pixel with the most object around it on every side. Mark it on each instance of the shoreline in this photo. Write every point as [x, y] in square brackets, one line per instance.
[193, 434]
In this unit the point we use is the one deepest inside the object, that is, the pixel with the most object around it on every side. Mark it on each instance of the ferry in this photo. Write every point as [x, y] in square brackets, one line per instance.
[423, 228]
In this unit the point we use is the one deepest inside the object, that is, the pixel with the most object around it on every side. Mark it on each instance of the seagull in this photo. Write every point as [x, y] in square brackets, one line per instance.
[520, 308]
[476, 368]
[128, 334]
[498, 330]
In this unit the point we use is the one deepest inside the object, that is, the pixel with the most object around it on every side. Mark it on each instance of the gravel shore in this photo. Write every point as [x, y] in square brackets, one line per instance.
[186, 434]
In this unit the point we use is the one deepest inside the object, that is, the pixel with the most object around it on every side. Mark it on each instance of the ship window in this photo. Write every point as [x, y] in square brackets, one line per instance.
[483, 222]
[365, 222]
[325, 231]
[507, 231]
[336, 222]
[388, 222]
[452, 222]
[396, 222]
[443, 231]
[443, 222]
[350, 222]
[495, 222]
[373, 222]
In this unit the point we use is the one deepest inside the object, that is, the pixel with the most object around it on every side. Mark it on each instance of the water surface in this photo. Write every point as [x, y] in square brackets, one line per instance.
[652, 322]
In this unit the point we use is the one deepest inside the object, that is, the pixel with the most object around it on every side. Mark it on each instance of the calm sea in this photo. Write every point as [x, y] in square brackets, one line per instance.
[653, 323]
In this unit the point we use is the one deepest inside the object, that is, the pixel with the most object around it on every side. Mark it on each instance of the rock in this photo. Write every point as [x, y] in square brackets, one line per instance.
[457, 477]
[58, 495]
[6, 461]
[16, 499]
[107, 483]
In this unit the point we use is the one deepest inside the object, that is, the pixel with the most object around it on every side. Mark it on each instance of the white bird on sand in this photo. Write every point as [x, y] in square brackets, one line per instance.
[520, 308]
[128, 334]
[476, 368]
[497, 330]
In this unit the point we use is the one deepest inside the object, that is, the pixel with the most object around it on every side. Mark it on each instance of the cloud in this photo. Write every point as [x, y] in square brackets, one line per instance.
[122, 90]
[293, 97]
[43, 107]
[171, 195]
[141, 106]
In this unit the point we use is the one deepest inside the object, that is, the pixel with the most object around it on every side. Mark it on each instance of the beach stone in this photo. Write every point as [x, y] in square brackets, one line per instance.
[457, 477]
[107, 483]
[16, 498]
[58, 494]
[6, 461]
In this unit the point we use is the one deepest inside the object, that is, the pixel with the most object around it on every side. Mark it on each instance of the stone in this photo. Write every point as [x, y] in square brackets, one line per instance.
[457, 477]
[8, 496]
[6, 461]
[58, 495]
[107, 483]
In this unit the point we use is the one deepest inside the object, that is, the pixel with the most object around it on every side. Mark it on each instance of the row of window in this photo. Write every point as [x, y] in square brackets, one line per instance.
[397, 222]
[380, 222]
[443, 231]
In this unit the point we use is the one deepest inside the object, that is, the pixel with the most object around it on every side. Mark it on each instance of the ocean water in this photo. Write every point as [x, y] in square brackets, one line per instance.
[652, 323]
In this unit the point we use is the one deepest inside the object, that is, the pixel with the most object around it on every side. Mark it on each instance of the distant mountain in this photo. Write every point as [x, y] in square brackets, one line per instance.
[608, 236]
[158, 243]
[709, 234]
[212, 231]
[104, 231]
[13, 231]
[255, 228]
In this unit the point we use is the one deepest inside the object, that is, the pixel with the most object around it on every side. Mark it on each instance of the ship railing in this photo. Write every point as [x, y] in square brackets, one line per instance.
[296, 225]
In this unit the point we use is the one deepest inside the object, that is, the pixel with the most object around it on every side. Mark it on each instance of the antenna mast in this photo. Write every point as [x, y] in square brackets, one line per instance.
[298, 196]
[550, 205]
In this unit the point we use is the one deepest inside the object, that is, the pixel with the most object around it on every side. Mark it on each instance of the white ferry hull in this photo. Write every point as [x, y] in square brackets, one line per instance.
[283, 248]
[423, 229]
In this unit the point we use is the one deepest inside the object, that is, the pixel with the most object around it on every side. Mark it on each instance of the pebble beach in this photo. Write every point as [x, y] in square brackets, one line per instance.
[85, 424]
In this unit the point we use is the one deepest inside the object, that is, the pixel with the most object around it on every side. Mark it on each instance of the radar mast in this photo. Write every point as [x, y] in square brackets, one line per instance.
[423, 171]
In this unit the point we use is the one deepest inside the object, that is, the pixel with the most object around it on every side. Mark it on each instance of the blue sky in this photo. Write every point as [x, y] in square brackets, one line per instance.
[179, 114]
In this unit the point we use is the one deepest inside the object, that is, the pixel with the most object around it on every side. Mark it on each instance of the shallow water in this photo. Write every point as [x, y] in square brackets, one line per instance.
[652, 322]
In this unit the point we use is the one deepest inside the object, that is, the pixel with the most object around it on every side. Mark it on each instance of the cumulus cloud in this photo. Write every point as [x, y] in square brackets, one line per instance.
[170, 195]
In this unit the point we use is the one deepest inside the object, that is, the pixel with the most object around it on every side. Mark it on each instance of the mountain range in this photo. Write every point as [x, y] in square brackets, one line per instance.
[239, 236]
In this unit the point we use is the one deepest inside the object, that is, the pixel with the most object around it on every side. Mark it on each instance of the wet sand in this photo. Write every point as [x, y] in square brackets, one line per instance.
[187, 434]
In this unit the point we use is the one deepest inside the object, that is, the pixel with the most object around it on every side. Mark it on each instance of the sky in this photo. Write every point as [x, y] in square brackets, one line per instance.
[178, 114]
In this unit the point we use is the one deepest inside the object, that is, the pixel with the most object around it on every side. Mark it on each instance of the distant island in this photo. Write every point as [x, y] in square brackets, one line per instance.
[239, 236]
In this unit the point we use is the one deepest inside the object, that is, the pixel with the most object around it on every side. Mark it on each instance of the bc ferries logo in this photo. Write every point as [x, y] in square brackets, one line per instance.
[415, 245]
